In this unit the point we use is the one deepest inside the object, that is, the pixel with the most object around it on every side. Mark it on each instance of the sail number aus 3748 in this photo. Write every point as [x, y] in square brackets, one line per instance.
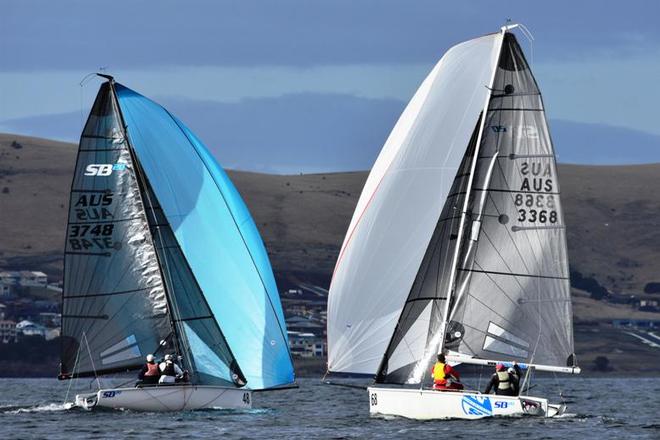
[91, 236]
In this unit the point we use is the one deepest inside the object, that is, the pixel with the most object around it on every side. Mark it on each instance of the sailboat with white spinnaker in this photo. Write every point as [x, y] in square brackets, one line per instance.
[458, 244]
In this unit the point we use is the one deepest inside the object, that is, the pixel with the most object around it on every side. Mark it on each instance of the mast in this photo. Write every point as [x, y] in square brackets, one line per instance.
[461, 227]
[141, 183]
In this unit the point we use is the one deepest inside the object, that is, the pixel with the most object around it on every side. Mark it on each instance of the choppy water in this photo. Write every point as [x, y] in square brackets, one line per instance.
[598, 409]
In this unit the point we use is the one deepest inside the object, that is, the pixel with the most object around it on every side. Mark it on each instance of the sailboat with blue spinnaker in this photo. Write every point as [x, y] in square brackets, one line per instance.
[163, 257]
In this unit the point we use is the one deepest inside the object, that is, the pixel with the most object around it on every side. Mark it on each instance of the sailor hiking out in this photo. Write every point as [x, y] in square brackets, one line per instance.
[444, 376]
[504, 382]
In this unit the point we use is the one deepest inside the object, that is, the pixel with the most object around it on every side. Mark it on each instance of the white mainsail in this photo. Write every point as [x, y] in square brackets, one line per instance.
[401, 203]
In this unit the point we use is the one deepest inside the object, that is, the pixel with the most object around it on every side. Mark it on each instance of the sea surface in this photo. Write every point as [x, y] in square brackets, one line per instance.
[597, 409]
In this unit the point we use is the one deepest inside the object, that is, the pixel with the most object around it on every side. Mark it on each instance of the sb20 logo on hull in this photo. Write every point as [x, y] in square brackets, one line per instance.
[103, 169]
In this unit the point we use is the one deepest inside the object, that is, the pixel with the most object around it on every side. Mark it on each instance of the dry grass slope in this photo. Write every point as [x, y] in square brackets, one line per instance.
[611, 213]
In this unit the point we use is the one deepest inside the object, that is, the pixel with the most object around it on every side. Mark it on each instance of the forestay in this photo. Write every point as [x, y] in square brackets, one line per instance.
[401, 204]
[114, 308]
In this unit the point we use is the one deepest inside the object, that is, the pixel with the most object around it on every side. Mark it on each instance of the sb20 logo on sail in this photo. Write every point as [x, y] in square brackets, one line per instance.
[105, 169]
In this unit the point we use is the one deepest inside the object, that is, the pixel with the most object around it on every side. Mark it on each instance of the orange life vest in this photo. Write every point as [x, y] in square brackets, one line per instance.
[152, 369]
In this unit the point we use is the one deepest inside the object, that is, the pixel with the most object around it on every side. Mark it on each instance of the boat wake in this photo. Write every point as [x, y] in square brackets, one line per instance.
[566, 416]
[50, 407]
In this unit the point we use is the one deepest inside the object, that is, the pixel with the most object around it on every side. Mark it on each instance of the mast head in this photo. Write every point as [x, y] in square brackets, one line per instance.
[508, 27]
[108, 77]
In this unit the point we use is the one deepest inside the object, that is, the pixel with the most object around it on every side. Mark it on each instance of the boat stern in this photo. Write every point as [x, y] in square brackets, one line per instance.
[86, 401]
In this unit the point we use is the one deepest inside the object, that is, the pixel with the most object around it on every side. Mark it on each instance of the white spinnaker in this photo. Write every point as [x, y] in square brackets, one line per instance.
[400, 205]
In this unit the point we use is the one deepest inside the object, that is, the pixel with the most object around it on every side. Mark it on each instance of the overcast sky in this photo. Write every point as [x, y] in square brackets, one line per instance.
[307, 85]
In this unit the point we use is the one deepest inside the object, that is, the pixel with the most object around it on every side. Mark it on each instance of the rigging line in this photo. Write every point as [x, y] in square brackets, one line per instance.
[436, 246]
[221, 344]
[240, 233]
[473, 165]
[440, 231]
[220, 347]
[91, 359]
[473, 248]
[454, 306]
[75, 366]
[178, 338]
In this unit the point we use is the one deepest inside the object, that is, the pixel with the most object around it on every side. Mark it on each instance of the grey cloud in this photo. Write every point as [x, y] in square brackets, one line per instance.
[42, 34]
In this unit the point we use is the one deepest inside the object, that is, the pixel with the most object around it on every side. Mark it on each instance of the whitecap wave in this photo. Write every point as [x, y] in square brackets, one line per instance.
[50, 407]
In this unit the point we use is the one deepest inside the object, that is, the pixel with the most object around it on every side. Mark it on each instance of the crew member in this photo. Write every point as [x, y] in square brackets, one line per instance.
[502, 382]
[150, 373]
[515, 374]
[444, 376]
[170, 372]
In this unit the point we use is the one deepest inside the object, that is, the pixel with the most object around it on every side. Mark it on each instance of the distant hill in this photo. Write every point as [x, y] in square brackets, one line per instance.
[611, 213]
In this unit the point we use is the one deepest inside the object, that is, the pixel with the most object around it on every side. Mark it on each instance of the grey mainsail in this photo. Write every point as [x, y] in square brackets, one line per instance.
[512, 297]
[114, 303]
[507, 280]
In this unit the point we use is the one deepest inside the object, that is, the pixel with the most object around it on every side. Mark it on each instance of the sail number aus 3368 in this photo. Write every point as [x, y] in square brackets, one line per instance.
[537, 177]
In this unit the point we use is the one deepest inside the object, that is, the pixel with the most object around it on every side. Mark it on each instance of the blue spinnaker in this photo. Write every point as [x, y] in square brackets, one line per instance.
[218, 238]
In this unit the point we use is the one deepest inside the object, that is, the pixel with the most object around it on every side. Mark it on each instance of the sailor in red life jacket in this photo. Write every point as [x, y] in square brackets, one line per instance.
[444, 376]
[149, 374]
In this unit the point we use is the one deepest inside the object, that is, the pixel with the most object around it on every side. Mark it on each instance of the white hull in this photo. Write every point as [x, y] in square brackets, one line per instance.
[429, 404]
[167, 398]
